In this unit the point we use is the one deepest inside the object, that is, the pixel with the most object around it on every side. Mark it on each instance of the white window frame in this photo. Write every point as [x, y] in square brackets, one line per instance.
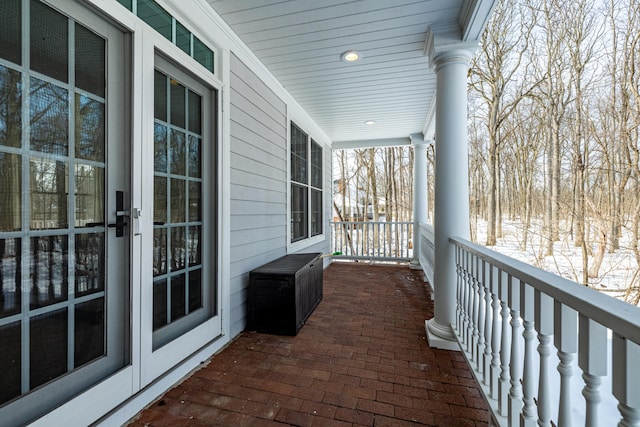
[310, 240]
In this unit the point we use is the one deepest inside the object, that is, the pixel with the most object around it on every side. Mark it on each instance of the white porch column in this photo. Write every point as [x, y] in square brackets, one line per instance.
[419, 193]
[451, 207]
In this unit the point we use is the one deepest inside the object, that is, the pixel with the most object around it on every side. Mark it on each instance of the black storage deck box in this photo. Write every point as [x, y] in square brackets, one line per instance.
[283, 293]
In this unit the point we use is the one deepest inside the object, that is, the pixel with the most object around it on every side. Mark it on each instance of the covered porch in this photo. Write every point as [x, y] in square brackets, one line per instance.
[361, 359]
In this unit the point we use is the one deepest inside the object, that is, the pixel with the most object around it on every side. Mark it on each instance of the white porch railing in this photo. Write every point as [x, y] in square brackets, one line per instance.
[383, 241]
[427, 251]
[522, 330]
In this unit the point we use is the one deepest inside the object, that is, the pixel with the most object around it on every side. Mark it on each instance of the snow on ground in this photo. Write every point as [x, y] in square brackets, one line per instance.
[616, 272]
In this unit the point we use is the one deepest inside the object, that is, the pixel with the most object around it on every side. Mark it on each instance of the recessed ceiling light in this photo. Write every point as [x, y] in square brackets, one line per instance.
[370, 122]
[350, 56]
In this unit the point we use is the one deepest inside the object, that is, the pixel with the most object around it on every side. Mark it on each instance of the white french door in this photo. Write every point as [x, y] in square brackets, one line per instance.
[180, 308]
[64, 186]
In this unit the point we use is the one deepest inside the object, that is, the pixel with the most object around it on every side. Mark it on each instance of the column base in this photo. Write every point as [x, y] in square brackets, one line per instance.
[415, 265]
[439, 336]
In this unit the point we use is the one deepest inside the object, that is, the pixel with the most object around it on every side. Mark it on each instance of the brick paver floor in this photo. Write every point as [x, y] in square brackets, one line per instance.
[361, 360]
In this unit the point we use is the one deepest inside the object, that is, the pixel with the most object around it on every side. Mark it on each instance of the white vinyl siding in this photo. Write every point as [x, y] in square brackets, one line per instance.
[258, 198]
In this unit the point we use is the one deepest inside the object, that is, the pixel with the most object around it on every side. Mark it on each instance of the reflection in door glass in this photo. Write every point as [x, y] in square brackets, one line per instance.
[48, 272]
[177, 201]
[49, 118]
[49, 190]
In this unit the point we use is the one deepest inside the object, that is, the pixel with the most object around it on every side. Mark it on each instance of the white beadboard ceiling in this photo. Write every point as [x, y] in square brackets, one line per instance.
[300, 42]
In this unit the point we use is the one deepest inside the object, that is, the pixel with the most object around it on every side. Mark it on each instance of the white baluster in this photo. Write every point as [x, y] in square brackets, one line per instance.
[626, 380]
[474, 309]
[544, 326]
[527, 298]
[488, 322]
[566, 341]
[592, 359]
[481, 318]
[458, 291]
[469, 302]
[515, 391]
[505, 345]
[494, 364]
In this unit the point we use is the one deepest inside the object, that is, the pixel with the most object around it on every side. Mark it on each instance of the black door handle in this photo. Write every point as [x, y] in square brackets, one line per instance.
[120, 214]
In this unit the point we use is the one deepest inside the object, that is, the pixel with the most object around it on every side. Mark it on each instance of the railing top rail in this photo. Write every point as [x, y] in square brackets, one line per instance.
[619, 316]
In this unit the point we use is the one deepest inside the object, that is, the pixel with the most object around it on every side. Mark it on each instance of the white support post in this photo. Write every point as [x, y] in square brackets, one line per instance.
[419, 194]
[451, 215]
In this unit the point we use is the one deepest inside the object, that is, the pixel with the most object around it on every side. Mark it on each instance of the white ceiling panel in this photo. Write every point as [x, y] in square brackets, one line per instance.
[300, 42]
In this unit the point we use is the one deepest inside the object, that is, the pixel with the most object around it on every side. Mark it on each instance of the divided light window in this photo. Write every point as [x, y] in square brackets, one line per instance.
[169, 27]
[306, 186]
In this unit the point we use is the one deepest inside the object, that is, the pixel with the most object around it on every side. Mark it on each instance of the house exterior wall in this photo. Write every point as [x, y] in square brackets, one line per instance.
[259, 183]
[258, 198]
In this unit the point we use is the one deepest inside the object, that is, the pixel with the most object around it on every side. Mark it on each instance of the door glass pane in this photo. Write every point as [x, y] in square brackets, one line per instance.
[90, 61]
[178, 295]
[49, 118]
[178, 248]
[194, 157]
[178, 153]
[177, 104]
[11, 31]
[159, 251]
[10, 192]
[49, 189]
[195, 112]
[195, 290]
[10, 277]
[159, 304]
[178, 199]
[10, 107]
[90, 123]
[89, 263]
[160, 148]
[195, 195]
[89, 331]
[10, 361]
[47, 347]
[89, 196]
[49, 42]
[49, 274]
[193, 246]
[160, 200]
[160, 96]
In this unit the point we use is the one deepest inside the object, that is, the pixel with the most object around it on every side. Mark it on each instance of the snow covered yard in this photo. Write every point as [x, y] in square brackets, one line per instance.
[617, 272]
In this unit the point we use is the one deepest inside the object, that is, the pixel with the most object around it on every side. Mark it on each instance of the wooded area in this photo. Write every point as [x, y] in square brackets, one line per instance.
[554, 133]
[555, 125]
